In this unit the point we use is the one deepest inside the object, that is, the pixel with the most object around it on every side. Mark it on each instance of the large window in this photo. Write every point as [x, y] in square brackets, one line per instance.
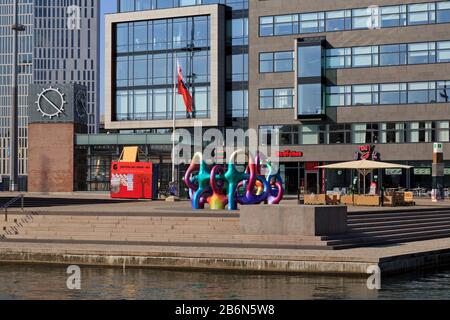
[310, 99]
[354, 19]
[309, 61]
[147, 53]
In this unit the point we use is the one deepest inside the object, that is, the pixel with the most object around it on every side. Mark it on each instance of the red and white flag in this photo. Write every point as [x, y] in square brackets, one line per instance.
[183, 90]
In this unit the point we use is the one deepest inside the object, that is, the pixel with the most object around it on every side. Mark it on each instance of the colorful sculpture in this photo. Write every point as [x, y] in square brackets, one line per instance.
[225, 187]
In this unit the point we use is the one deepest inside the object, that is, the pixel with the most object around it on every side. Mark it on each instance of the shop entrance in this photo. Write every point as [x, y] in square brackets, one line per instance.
[312, 182]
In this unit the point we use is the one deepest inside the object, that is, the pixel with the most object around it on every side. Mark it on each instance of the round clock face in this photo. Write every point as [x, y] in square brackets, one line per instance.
[80, 104]
[50, 102]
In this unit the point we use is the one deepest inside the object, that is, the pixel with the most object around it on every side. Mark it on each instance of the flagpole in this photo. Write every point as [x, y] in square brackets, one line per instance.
[174, 112]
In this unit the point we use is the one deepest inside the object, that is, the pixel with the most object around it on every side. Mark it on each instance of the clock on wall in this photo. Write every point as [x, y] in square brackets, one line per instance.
[58, 103]
[50, 102]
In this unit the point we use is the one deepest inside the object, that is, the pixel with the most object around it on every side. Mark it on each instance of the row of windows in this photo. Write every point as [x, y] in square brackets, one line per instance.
[138, 5]
[353, 19]
[158, 69]
[162, 34]
[388, 93]
[156, 104]
[388, 55]
[370, 56]
[358, 133]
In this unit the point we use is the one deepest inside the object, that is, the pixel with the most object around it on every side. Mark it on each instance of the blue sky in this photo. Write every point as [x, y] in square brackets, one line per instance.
[107, 6]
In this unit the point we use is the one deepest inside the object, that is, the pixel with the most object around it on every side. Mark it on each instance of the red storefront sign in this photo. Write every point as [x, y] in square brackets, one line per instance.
[289, 154]
[131, 180]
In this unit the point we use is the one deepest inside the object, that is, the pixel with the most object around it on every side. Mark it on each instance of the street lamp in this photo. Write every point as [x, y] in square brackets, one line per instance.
[16, 28]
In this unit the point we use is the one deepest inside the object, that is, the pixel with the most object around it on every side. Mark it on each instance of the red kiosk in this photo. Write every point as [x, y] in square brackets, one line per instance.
[131, 179]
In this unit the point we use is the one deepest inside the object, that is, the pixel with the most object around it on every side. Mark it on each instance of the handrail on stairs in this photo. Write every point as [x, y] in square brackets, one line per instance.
[5, 207]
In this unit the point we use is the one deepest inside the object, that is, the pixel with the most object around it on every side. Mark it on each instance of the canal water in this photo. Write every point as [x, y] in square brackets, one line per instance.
[50, 282]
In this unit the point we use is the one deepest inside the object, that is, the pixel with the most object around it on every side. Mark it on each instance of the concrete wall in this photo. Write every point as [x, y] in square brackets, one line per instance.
[294, 220]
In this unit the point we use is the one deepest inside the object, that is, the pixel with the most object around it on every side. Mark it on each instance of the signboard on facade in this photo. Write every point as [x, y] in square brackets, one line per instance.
[422, 171]
[393, 172]
[289, 154]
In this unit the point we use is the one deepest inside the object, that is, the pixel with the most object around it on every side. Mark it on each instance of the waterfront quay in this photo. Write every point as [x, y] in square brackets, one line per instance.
[93, 230]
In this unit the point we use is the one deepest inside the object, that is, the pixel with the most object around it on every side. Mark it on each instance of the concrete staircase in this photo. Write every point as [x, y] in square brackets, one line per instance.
[170, 229]
[218, 230]
[42, 202]
[392, 227]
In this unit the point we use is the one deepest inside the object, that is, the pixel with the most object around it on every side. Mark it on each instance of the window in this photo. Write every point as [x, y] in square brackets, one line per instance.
[312, 22]
[237, 103]
[310, 134]
[140, 36]
[289, 135]
[443, 12]
[285, 25]
[443, 51]
[443, 91]
[393, 93]
[393, 55]
[361, 18]
[338, 58]
[309, 61]
[122, 37]
[338, 20]
[443, 133]
[310, 99]
[421, 92]
[359, 133]
[364, 95]
[365, 56]
[266, 26]
[422, 13]
[339, 96]
[276, 98]
[421, 53]
[282, 61]
[393, 16]
[237, 67]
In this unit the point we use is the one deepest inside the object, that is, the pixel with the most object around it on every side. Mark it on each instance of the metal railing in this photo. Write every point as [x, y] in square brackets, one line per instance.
[11, 202]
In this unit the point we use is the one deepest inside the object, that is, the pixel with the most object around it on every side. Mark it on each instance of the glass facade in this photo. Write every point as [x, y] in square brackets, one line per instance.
[355, 19]
[147, 55]
[146, 51]
[310, 88]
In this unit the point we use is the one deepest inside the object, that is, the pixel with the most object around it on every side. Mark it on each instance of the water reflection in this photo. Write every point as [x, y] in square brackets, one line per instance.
[49, 282]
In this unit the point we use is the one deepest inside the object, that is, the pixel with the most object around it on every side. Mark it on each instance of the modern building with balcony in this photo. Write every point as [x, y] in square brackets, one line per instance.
[332, 76]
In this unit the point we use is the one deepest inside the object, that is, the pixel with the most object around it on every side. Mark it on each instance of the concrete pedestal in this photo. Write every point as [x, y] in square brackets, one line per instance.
[294, 220]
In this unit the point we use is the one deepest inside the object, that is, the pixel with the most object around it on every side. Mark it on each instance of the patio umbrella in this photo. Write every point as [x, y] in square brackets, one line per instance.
[365, 167]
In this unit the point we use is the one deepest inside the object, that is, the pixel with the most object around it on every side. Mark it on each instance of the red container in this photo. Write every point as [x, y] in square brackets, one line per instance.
[131, 180]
